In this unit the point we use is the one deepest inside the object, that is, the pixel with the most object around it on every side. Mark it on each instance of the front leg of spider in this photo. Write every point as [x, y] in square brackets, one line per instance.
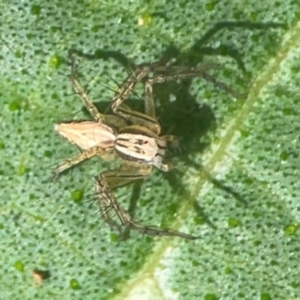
[75, 160]
[94, 138]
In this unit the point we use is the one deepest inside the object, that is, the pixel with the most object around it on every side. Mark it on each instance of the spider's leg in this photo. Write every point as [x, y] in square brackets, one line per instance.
[110, 180]
[178, 73]
[159, 74]
[146, 119]
[223, 86]
[107, 208]
[97, 116]
[105, 183]
[123, 92]
[75, 160]
[140, 72]
[163, 74]
[83, 95]
[156, 231]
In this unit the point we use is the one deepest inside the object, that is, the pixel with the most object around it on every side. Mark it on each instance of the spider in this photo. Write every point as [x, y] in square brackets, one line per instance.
[131, 136]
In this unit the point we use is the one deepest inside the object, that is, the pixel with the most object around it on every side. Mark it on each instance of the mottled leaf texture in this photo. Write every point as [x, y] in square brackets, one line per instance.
[236, 177]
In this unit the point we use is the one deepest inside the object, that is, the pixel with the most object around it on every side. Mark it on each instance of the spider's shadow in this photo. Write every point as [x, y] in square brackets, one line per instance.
[184, 117]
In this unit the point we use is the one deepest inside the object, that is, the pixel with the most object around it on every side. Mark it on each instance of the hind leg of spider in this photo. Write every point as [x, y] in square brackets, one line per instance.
[136, 76]
[147, 119]
[178, 73]
[110, 180]
[141, 72]
[156, 231]
[160, 74]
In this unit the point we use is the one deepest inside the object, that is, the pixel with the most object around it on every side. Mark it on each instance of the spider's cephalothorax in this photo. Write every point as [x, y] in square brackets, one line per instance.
[132, 136]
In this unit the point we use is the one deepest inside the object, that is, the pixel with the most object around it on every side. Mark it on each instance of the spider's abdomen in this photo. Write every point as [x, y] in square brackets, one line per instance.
[140, 148]
[87, 134]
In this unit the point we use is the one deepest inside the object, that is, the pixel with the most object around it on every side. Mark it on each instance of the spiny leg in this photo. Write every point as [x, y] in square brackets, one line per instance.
[110, 120]
[75, 160]
[137, 75]
[129, 84]
[141, 71]
[108, 181]
[148, 120]
[153, 230]
[223, 86]
[83, 95]
[169, 74]
[123, 92]
[160, 74]
[178, 73]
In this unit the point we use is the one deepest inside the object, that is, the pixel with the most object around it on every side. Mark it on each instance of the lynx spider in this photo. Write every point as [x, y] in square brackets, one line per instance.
[132, 136]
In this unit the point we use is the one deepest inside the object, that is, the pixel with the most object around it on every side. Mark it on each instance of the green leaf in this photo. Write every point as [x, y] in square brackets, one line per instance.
[236, 181]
